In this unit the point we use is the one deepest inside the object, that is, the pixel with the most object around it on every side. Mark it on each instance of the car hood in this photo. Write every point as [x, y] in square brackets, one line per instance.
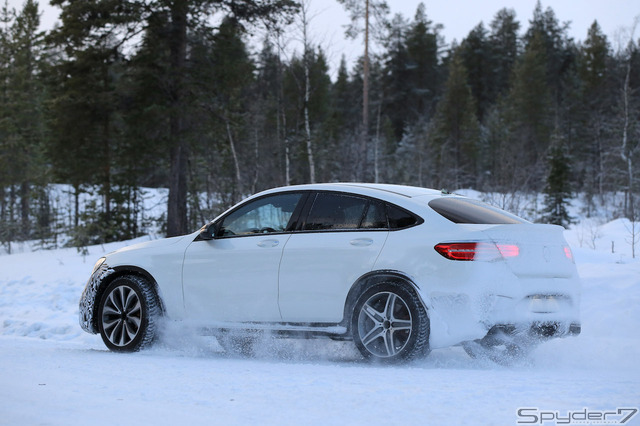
[164, 242]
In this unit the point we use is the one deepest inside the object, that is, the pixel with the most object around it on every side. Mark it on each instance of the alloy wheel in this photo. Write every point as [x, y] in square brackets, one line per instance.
[384, 324]
[122, 315]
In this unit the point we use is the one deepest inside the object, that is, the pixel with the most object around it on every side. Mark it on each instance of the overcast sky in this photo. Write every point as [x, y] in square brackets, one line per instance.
[457, 16]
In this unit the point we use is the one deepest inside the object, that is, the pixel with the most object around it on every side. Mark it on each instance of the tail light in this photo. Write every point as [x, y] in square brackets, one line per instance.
[568, 253]
[477, 251]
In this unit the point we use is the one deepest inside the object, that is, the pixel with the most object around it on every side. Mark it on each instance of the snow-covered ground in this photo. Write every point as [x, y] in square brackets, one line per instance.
[53, 373]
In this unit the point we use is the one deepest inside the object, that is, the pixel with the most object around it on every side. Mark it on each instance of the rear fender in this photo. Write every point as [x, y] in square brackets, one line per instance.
[369, 280]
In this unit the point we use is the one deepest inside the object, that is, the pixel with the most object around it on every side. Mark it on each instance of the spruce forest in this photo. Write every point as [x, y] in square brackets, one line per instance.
[125, 95]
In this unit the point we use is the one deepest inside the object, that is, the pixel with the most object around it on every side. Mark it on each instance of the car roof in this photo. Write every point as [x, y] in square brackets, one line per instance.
[369, 188]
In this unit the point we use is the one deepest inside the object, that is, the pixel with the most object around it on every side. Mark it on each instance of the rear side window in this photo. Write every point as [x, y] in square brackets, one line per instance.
[460, 210]
[335, 211]
[399, 218]
[376, 218]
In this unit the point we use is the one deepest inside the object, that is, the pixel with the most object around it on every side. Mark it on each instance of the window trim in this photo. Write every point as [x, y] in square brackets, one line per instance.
[301, 212]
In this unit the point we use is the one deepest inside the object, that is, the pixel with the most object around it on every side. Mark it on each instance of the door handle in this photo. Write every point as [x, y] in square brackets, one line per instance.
[361, 242]
[268, 243]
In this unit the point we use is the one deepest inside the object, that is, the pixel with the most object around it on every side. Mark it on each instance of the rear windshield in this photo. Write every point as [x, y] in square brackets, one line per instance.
[460, 210]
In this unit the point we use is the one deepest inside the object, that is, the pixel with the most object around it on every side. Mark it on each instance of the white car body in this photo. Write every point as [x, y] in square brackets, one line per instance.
[302, 280]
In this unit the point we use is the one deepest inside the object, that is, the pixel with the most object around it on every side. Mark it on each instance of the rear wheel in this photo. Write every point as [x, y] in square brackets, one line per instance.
[128, 314]
[389, 323]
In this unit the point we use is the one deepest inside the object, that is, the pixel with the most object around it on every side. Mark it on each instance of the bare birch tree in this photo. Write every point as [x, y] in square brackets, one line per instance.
[629, 147]
[306, 59]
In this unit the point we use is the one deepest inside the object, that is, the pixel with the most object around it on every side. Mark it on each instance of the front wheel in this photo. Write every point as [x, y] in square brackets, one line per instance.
[128, 314]
[389, 323]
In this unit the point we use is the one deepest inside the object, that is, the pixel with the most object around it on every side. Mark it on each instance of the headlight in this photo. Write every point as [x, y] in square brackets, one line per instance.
[98, 264]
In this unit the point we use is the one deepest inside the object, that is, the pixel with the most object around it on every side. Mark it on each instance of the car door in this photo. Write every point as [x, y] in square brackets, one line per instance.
[234, 277]
[337, 243]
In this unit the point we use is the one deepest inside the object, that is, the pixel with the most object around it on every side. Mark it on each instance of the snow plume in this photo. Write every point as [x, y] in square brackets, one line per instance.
[185, 340]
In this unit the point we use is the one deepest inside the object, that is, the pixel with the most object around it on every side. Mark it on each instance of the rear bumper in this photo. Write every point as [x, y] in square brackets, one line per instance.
[538, 330]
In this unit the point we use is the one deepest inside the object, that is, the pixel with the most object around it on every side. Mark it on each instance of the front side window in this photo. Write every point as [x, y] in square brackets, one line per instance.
[335, 212]
[265, 215]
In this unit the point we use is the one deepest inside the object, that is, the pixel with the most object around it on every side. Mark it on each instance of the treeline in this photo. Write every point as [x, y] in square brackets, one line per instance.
[130, 94]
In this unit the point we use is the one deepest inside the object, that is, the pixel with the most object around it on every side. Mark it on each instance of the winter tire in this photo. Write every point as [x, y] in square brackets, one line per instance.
[128, 314]
[389, 323]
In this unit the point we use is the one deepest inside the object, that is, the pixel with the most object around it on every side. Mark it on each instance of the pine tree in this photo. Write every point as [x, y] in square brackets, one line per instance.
[476, 55]
[268, 112]
[546, 32]
[505, 48]
[456, 130]
[593, 109]
[21, 121]
[528, 112]
[557, 189]
[343, 122]
[422, 41]
[84, 108]
[7, 224]
[118, 22]
[27, 106]
[397, 80]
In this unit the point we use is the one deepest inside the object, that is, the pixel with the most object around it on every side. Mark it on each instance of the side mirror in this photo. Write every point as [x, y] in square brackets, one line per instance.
[207, 232]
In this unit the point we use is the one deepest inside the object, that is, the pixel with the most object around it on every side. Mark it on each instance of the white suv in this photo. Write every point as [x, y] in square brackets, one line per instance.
[399, 270]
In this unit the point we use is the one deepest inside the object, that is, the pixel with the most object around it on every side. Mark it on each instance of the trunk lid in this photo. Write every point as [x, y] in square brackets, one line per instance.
[543, 250]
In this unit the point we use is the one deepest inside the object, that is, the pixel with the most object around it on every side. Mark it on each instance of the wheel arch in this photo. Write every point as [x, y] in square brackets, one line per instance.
[121, 271]
[375, 277]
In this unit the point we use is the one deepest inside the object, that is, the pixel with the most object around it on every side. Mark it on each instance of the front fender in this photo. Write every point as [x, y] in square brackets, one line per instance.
[90, 297]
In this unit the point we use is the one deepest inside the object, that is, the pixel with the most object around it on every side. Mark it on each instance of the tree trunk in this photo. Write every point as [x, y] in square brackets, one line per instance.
[25, 197]
[626, 152]
[307, 95]
[3, 204]
[238, 186]
[364, 134]
[282, 119]
[256, 152]
[106, 160]
[76, 206]
[177, 205]
[376, 159]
